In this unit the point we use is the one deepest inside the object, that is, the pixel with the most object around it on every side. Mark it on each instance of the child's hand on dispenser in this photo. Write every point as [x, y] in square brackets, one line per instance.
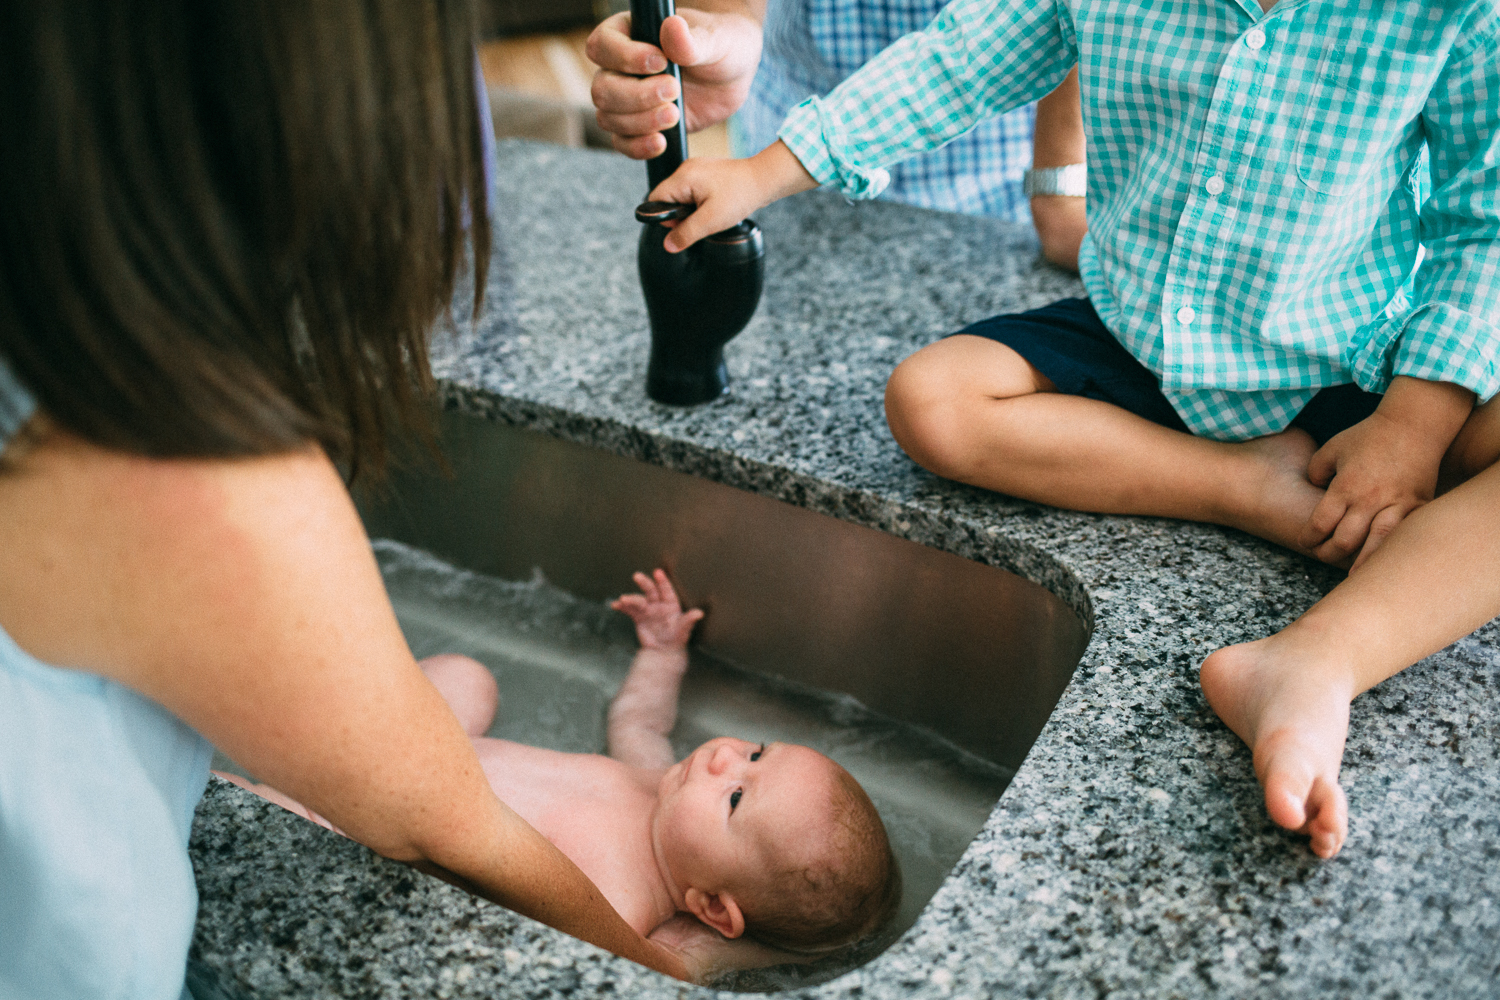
[726, 191]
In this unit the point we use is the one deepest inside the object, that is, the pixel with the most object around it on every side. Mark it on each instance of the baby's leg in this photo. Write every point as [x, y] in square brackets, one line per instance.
[973, 409]
[1434, 580]
[468, 688]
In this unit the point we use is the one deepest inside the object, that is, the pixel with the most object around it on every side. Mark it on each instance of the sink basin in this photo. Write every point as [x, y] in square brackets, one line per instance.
[926, 675]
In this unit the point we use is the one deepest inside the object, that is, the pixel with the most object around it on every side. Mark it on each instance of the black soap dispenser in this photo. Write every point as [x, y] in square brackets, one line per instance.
[697, 299]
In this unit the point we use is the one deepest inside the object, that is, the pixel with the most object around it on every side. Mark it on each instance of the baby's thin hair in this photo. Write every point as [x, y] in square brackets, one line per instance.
[837, 899]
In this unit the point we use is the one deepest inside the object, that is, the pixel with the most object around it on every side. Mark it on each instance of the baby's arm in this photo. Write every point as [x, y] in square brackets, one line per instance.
[645, 709]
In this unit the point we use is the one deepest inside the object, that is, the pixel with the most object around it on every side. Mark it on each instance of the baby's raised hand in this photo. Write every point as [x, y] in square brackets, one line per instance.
[660, 622]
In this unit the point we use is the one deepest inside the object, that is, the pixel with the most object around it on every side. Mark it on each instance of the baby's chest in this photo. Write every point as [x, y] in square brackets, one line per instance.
[615, 855]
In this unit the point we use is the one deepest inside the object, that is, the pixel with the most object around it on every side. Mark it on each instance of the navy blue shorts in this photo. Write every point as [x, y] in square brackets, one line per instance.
[1068, 343]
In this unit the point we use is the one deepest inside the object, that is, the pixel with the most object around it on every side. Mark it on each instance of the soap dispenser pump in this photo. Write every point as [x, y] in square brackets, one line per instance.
[700, 298]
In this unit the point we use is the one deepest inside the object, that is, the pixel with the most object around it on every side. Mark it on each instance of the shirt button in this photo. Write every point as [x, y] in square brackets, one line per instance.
[1215, 185]
[1255, 39]
[1185, 315]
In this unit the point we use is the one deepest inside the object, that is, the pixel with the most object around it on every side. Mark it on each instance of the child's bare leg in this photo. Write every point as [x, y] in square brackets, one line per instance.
[468, 688]
[1434, 580]
[972, 409]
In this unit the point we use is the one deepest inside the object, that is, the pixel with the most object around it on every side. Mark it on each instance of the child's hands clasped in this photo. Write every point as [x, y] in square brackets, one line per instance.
[660, 622]
[1381, 469]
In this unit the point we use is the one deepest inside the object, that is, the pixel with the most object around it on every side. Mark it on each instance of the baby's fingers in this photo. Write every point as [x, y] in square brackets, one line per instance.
[1324, 465]
[707, 219]
[646, 585]
[716, 188]
[665, 592]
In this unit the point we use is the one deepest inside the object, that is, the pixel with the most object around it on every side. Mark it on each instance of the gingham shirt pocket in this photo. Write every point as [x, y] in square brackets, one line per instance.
[1355, 110]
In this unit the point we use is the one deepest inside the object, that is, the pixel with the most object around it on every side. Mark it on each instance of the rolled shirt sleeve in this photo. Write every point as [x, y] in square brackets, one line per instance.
[1453, 331]
[978, 58]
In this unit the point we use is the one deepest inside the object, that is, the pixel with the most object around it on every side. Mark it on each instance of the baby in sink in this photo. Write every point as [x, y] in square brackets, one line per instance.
[737, 856]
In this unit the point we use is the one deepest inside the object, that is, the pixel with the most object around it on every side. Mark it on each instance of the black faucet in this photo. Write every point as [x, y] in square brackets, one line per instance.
[697, 299]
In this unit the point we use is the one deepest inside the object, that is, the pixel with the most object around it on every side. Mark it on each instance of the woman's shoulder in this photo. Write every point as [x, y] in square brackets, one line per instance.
[107, 559]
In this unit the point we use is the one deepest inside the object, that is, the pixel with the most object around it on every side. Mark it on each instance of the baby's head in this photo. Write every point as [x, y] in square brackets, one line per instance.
[776, 841]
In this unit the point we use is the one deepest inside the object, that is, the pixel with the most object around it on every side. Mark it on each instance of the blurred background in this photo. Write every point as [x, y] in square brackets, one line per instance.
[532, 56]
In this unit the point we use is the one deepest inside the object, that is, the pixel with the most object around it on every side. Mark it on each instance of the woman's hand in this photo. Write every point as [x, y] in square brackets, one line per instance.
[726, 191]
[706, 954]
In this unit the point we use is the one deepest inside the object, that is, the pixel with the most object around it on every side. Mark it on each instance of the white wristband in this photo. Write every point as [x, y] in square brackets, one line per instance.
[1071, 180]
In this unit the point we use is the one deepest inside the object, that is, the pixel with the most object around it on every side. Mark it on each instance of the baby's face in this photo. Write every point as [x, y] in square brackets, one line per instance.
[732, 808]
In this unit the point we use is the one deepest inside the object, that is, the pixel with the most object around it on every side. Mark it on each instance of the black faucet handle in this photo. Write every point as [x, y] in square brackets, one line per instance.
[662, 211]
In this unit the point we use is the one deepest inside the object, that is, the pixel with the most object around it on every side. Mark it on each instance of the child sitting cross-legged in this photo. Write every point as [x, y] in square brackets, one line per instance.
[1263, 345]
[743, 854]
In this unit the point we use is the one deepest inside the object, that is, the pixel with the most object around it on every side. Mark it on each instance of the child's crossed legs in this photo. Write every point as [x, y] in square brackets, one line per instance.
[974, 409]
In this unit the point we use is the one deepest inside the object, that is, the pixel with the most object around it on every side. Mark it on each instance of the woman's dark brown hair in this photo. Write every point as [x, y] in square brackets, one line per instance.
[227, 228]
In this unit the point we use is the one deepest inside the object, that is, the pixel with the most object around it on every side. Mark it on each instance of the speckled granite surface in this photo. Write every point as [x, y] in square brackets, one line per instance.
[1131, 856]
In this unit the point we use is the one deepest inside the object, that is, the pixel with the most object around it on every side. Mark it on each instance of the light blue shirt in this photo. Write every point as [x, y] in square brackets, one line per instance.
[1256, 181]
[97, 790]
[812, 45]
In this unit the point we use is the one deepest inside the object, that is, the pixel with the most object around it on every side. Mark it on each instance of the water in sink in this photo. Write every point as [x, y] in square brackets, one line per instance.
[559, 659]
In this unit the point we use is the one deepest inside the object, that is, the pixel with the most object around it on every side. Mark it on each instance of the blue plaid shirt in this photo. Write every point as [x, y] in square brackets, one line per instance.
[812, 45]
[1257, 191]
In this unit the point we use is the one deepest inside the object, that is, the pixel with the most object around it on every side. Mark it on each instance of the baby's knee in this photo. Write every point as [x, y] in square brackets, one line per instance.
[467, 686]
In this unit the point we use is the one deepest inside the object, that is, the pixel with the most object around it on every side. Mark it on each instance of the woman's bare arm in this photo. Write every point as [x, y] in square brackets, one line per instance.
[644, 711]
[243, 596]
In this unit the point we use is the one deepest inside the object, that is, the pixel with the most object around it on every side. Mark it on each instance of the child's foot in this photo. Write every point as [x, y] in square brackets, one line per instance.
[467, 686]
[1278, 498]
[1294, 715]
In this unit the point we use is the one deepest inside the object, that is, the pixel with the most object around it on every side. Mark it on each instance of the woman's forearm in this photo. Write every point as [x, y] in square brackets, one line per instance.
[508, 862]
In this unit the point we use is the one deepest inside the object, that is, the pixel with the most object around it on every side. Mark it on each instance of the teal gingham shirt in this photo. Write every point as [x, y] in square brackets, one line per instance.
[812, 45]
[1256, 179]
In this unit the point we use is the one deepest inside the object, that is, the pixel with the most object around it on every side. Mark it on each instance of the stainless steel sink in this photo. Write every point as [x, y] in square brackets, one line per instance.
[928, 676]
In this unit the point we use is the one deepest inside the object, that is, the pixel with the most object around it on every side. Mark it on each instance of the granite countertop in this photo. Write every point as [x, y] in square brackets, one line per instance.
[1130, 857]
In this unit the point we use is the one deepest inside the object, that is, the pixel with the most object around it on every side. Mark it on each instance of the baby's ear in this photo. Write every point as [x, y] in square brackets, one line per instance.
[716, 909]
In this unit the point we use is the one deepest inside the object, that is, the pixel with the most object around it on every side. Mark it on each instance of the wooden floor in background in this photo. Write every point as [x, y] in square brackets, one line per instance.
[554, 67]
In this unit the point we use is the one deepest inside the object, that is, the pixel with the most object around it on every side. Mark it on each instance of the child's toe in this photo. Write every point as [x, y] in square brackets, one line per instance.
[1286, 800]
[1328, 821]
